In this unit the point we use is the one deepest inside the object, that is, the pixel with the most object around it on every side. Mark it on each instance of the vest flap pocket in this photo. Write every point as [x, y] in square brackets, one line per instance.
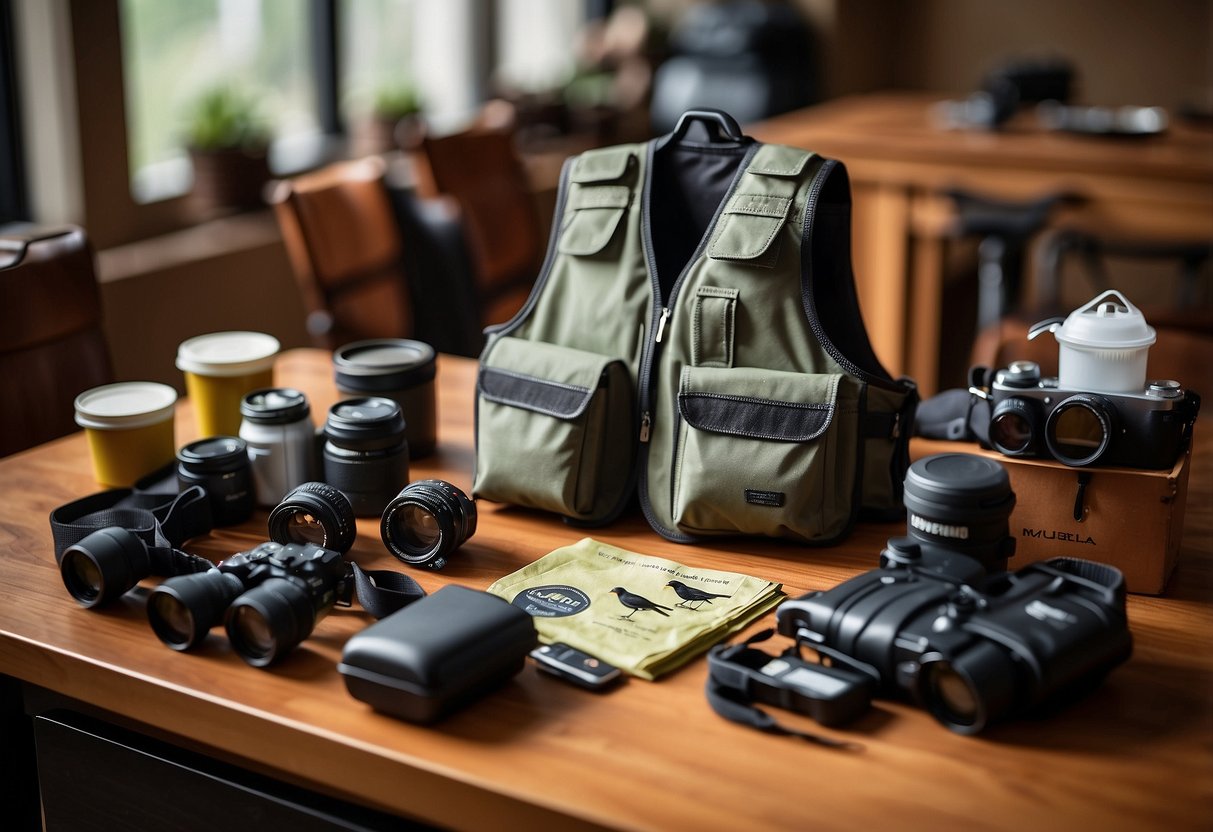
[554, 428]
[765, 452]
[777, 406]
[558, 381]
[777, 160]
[749, 229]
[604, 165]
[594, 213]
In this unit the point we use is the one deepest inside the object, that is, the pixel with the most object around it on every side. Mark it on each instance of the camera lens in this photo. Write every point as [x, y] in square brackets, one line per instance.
[182, 610]
[219, 464]
[1080, 429]
[365, 452]
[426, 522]
[396, 369]
[961, 503]
[269, 620]
[314, 512]
[970, 691]
[103, 565]
[1015, 426]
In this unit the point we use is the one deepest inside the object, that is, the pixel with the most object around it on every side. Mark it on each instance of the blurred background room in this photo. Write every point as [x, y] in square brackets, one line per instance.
[327, 170]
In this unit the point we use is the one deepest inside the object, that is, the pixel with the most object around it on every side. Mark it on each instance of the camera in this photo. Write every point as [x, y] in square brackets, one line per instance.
[269, 598]
[1035, 416]
[970, 645]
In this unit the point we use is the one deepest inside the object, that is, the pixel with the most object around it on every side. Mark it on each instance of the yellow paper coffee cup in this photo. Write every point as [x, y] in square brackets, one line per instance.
[129, 426]
[220, 368]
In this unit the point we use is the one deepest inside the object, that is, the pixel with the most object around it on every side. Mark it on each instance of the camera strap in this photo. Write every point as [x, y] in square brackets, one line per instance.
[161, 521]
[728, 693]
[381, 591]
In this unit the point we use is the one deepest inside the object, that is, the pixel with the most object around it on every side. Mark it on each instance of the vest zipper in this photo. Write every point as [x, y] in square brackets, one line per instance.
[652, 350]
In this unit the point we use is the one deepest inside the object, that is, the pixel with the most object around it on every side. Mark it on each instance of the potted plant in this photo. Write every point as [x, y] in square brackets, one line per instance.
[396, 115]
[228, 140]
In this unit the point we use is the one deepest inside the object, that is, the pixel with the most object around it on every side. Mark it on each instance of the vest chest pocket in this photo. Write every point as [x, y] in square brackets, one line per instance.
[765, 452]
[554, 429]
[749, 229]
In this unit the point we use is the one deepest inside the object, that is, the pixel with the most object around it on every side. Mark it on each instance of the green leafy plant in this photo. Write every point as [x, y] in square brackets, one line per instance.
[396, 100]
[225, 117]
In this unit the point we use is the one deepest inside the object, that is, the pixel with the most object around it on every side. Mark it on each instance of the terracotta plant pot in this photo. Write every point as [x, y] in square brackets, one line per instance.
[229, 178]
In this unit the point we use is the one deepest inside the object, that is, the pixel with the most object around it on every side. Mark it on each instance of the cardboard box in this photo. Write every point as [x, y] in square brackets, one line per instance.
[1130, 518]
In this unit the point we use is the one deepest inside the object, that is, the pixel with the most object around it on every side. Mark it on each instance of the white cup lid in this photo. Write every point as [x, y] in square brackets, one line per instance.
[227, 353]
[1109, 321]
[127, 404]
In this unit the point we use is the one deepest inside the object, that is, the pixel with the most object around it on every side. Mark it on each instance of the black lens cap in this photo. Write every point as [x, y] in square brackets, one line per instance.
[216, 454]
[383, 364]
[947, 486]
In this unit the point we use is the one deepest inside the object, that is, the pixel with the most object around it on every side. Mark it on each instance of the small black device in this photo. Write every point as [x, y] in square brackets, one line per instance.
[437, 654]
[1033, 417]
[576, 666]
[269, 598]
[971, 653]
[220, 464]
[426, 522]
[365, 452]
[316, 513]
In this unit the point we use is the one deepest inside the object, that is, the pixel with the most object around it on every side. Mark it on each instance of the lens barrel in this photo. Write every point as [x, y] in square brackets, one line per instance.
[314, 512]
[969, 691]
[1079, 429]
[183, 609]
[961, 503]
[365, 452]
[270, 620]
[1015, 426]
[426, 522]
[104, 565]
[220, 464]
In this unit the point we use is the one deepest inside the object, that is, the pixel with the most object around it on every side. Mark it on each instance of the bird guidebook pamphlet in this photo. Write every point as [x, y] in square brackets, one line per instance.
[643, 614]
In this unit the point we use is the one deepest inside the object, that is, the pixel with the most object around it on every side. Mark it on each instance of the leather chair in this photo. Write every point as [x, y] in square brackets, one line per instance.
[346, 252]
[481, 170]
[52, 347]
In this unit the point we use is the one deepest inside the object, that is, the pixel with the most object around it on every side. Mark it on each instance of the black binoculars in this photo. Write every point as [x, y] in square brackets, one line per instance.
[269, 599]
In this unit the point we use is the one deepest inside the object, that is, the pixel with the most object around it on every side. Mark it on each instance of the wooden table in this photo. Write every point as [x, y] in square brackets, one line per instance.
[542, 754]
[1159, 188]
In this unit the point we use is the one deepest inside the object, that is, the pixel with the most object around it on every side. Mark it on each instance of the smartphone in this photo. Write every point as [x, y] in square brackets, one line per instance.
[576, 666]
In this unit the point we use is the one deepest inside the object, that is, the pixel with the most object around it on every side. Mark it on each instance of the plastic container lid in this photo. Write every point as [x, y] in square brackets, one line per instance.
[227, 353]
[1107, 322]
[127, 404]
[275, 406]
[383, 364]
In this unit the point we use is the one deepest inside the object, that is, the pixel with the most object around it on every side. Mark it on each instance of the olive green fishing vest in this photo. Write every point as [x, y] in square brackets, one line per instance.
[694, 338]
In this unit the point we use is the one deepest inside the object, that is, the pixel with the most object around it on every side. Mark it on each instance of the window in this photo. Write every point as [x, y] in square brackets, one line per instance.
[174, 50]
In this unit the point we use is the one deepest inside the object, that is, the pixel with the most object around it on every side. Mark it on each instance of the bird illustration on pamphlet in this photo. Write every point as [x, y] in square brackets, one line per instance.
[636, 602]
[690, 595]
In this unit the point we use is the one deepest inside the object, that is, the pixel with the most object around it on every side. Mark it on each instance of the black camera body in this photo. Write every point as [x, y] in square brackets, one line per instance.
[269, 597]
[1033, 417]
[971, 652]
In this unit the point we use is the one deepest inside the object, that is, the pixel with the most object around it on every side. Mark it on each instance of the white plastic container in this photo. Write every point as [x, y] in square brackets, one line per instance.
[1103, 346]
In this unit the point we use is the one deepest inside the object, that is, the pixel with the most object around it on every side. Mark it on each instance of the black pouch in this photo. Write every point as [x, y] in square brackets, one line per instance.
[437, 654]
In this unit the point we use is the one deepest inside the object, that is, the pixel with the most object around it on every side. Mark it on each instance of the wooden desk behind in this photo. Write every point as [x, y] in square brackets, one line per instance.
[1159, 188]
[646, 756]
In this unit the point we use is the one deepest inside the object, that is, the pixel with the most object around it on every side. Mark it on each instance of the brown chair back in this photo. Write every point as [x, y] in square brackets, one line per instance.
[52, 347]
[481, 170]
[345, 249]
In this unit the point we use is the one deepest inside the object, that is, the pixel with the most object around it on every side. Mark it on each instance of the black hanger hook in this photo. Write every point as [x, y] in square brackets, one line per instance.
[720, 126]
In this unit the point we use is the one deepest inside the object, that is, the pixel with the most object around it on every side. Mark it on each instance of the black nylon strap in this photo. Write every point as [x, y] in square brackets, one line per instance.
[727, 692]
[161, 521]
[381, 592]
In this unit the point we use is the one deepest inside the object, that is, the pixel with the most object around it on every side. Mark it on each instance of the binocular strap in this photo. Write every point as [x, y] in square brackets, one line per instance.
[161, 521]
[381, 591]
